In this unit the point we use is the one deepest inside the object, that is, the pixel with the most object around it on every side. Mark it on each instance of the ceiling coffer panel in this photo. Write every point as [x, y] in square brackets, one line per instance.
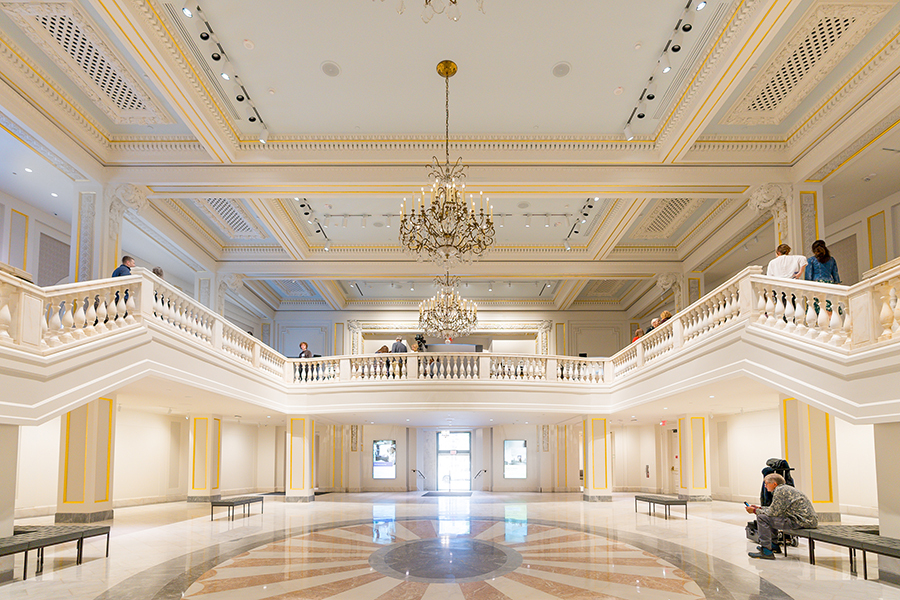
[293, 288]
[74, 43]
[822, 39]
[665, 218]
[231, 218]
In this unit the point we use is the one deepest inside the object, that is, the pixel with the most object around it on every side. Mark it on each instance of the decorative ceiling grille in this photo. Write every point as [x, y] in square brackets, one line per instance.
[296, 289]
[826, 33]
[604, 289]
[231, 218]
[665, 218]
[76, 45]
[821, 39]
[80, 49]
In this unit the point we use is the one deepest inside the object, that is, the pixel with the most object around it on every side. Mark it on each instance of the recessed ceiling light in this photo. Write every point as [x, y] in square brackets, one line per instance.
[331, 68]
[407, 420]
[54, 194]
[249, 45]
[561, 69]
[27, 170]
[712, 396]
[618, 91]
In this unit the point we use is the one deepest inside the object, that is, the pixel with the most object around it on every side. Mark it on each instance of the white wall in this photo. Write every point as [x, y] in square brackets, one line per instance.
[151, 458]
[38, 222]
[383, 432]
[857, 486]
[739, 446]
[635, 452]
[38, 470]
[871, 251]
[239, 458]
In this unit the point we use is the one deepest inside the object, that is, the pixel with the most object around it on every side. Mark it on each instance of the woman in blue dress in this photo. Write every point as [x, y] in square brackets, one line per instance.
[821, 266]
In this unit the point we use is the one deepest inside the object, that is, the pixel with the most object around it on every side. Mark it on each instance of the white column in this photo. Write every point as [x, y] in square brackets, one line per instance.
[9, 461]
[887, 448]
[87, 439]
[332, 457]
[301, 462]
[597, 459]
[206, 458]
[809, 447]
[693, 458]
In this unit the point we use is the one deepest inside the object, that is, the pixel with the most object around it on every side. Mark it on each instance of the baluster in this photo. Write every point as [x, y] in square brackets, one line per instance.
[823, 321]
[55, 326]
[761, 306]
[770, 309]
[5, 315]
[835, 325]
[779, 311]
[896, 328]
[886, 317]
[811, 317]
[120, 309]
[847, 328]
[130, 308]
[789, 313]
[78, 318]
[67, 323]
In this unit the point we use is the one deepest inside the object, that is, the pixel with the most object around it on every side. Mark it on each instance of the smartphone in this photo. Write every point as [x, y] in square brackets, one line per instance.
[746, 504]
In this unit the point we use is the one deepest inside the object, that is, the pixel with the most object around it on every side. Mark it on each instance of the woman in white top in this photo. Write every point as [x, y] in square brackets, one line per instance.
[785, 264]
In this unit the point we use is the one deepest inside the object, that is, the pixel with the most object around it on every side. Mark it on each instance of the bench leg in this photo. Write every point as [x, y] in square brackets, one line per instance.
[25, 568]
[210, 512]
[865, 567]
[79, 551]
[107, 545]
[853, 561]
[812, 551]
[40, 561]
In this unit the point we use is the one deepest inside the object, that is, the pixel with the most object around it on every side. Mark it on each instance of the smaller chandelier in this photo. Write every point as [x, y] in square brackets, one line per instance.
[433, 7]
[447, 314]
[441, 225]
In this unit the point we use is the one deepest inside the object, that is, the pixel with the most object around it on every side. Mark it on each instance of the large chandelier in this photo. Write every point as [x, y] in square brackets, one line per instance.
[441, 226]
[433, 7]
[447, 314]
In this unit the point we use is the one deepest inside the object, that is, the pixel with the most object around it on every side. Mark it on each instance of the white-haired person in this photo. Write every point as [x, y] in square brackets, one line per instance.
[790, 509]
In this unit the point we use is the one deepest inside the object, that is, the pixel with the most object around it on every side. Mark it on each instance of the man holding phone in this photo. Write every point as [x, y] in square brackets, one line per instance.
[790, 509]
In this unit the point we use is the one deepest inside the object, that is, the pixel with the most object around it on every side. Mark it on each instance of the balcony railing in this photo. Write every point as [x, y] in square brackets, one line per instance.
[47, 321]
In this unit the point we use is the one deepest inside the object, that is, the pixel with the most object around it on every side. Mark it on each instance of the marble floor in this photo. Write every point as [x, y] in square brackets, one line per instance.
[407, 547]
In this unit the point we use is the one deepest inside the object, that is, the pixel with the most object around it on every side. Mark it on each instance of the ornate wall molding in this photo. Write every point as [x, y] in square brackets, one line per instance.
[808, 218]
[672, 282]
[87, 211]
[861, 142]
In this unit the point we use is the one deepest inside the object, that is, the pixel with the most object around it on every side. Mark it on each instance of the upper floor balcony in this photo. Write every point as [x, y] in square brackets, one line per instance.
[832, 346]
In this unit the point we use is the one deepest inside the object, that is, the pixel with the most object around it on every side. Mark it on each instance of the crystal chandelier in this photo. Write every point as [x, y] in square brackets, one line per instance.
[441, 226]
[447, 314]
[433, 7]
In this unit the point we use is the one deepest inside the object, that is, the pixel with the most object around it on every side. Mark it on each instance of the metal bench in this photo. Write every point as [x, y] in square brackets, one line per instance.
[230, 503]
[38, 537]
[666, 501]
[864, 538]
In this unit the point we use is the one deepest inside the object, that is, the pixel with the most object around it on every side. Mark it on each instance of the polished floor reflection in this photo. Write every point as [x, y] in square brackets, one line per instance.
[405, 546]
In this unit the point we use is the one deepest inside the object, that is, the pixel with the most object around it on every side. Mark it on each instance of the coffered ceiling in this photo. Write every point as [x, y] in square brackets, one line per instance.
[127, 91]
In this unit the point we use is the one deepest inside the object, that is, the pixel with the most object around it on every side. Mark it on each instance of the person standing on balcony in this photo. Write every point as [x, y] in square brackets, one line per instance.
[305, 352]
[663, 317]
[786, 265]
[653, 325]
[638, 334]
[398, 345]
[124, 269]
[821, 266]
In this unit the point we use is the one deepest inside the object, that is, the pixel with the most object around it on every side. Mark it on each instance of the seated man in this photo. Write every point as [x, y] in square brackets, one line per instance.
[790, 509]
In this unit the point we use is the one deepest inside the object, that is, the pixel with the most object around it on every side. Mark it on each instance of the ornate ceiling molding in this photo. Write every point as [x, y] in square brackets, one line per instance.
[43, 150]
[230, 216]
[826, 34]
[665, 218]
[72, 40]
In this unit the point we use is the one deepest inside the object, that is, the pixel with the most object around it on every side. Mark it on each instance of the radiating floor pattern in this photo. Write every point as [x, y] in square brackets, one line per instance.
[405, 546]
[404, 559]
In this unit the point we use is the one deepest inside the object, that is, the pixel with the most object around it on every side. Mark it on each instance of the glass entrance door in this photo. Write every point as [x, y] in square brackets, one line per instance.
[454, 461]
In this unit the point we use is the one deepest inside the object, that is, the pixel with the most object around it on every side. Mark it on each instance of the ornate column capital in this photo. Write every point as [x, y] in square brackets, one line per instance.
[671, 281]
[773, 197]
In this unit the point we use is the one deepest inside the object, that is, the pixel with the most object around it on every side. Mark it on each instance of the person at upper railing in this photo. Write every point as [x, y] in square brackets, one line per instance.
[398, 345]
[663, 317]
[638, 334]
[653, 325]
[383, 350]
[158, 272]
[785, 264]
[821, 266]
[305, 352]
[124, 269]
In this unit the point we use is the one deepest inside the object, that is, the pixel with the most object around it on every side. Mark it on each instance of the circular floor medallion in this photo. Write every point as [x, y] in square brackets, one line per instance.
[445, 560]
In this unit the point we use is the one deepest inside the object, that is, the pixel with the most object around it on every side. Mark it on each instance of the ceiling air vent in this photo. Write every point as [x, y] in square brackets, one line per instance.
[79, 48]
[821, 39]
[665, 218]
[296, 289]
[76, 45]
[231, 218]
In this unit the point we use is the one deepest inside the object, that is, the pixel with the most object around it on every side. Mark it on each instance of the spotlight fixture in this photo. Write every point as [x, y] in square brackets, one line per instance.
[311, 217]
[363, 223]
[567, 245]
[548, 284]
[412, 286]
[502, 220]
[264, 136]
[641, 110]
[650, 94]
[701, 5]
[687, 21]
[629, 135]
[187, 8]
[344, 222]
[327, 245]
[527, 220]
[677, 41]
[388, 222]
[664, 63]
[547, 220]
[490, 286]
[327, 221]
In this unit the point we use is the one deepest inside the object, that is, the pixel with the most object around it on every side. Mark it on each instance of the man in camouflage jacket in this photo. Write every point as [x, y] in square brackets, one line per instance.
[790, 509]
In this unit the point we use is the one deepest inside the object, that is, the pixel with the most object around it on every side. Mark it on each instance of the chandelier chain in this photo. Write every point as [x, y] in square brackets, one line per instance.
[447, 120]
